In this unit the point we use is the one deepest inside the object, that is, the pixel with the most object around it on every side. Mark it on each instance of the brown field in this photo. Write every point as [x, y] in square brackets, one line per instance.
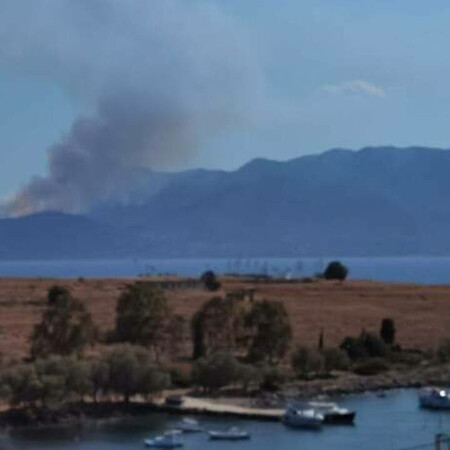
[421, 313]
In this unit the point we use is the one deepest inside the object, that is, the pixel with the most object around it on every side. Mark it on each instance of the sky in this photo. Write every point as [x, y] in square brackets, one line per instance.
[335, 74]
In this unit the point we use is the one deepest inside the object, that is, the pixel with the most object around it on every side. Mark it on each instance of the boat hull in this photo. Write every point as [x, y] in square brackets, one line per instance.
[339, 418]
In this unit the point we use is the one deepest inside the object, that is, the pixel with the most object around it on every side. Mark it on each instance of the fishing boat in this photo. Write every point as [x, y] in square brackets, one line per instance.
[188, 425]
[303, 418]
[232, 434]
[434, 398]
[168, 440]
[333, 413]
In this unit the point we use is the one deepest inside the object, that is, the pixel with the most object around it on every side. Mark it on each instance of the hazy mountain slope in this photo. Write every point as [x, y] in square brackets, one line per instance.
[378, 201]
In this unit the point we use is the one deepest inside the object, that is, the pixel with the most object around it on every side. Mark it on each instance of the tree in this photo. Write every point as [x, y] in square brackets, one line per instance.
[217, 326]
[270, 331]
[143, 317]
[216, 371]
[304, 361]
[131, 373]
[387, 331]
[66, 327]
[210, 281]
[335, 271]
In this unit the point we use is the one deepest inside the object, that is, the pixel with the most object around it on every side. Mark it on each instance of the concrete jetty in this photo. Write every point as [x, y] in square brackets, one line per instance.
[197, 406]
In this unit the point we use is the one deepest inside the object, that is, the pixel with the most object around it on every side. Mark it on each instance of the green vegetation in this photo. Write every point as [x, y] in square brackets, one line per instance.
[210, 281]
[335, 271]
[122, 371]
[269, 332]
[65, 328]
[143, 317]
[387, 331]
[217, 326]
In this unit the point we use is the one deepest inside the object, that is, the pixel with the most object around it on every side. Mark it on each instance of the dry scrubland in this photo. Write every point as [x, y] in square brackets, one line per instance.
[421, 313]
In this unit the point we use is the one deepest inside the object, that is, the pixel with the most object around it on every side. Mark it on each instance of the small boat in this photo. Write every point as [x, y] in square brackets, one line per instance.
[333, 414]
[168, 440]
[188, 425]
[232, 434]
[434, 398]
[303, 418]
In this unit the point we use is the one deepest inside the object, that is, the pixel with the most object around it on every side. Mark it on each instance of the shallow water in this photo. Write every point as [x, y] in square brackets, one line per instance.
[430, 270]
[390, 423]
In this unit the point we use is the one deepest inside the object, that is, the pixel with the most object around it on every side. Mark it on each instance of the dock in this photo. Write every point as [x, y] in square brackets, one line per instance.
[198, 406]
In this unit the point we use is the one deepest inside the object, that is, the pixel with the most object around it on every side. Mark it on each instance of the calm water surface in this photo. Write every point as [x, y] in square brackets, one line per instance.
[390, 423]
[430, 270]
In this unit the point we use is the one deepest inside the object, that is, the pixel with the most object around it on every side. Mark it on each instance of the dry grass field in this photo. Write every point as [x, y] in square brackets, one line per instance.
[421, 313]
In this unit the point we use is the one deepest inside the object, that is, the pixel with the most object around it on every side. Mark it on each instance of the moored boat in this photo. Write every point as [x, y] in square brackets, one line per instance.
[434, 398]
[232, 434]
[188, 425]
[303, 418]
[168, 440]
[333, 414]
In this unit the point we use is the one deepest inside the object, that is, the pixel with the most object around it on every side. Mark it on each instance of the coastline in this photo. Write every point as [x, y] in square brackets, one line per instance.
[261, 406]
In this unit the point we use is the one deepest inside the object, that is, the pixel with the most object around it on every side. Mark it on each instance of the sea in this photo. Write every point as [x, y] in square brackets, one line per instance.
[391, 422]
[407, 269]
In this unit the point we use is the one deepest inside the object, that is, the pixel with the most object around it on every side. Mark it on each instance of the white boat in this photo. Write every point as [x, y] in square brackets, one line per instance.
[434, 398]
[168, 440]
[232, 434]
[303, 418]
[333, 413]
[188, 425]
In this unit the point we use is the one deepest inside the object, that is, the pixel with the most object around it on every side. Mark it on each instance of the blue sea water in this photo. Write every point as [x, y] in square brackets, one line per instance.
[391, 423]
[415, 269]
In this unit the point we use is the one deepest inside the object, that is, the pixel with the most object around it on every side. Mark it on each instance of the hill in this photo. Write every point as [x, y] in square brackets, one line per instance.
[377, 201]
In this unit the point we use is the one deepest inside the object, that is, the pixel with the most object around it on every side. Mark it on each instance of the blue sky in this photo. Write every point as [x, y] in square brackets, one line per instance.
[337, 74]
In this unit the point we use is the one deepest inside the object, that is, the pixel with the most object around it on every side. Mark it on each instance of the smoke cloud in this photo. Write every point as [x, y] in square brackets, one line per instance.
[156, 77]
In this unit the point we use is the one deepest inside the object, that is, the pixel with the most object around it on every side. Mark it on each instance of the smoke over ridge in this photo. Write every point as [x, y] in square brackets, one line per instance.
[158, 77]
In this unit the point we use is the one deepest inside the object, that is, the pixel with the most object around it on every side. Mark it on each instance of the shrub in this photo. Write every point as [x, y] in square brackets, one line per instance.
[335, 271]
[334, 359]
[443, 351]
[210, 281]
[180, 378]
[369, 367]
[387, 331]
[216, 371]
[272, 379]
[367, 345]
[305, 361]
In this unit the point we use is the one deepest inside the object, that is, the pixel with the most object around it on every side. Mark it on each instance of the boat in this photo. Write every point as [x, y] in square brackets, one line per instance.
[168, 440]
[303, 418]
[188, 425]
[434, 398]
[333, 413]
[232, 434]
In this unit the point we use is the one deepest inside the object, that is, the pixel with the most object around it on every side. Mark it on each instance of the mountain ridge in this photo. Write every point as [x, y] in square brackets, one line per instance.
[375, 201]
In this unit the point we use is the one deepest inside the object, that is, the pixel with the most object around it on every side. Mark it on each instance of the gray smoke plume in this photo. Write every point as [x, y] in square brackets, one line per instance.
[156, 77]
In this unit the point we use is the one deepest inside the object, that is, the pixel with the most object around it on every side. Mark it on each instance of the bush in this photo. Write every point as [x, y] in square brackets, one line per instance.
[387, 331]
[180, 378]
[272, 379]
[305, 361]
[216, 371]
[367, 345]
[369, 367]
[443, 351]
[334, 359]
[335, 271]
[210, 281]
